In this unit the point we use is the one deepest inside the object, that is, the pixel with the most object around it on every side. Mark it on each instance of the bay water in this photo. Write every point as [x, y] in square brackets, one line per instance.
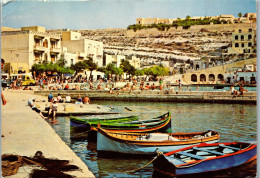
[234, 122]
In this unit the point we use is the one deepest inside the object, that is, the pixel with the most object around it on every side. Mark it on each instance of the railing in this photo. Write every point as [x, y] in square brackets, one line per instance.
[40, 48]
[55, 50]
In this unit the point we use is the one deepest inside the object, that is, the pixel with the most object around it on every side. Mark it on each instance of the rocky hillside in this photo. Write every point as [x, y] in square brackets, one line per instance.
[173, 47]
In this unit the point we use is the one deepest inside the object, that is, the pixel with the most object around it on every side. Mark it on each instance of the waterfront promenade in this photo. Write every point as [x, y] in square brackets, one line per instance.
[24, 133]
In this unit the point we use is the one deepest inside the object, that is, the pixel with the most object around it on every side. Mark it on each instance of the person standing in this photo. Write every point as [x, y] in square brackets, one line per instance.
[2, 95]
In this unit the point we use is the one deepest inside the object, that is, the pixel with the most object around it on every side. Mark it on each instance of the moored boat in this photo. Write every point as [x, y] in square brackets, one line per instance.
[159, 124]
[204, 158]
[88, 123]
[148, 143]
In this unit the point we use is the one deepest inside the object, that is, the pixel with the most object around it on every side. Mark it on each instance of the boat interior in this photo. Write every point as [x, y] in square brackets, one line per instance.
[201, 153]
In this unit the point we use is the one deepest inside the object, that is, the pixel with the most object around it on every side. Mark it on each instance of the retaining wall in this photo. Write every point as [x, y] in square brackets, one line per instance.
[159, 96]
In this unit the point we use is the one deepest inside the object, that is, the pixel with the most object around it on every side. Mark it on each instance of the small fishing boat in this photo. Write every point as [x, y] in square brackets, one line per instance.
[88, 123]
[148, 143]
[204, 158]
[159, 124]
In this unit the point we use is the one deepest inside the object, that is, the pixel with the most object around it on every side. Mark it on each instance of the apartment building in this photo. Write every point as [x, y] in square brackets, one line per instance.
[134, 61]
[114, 59]
[82, 48]
[243, 41]
[21, 49]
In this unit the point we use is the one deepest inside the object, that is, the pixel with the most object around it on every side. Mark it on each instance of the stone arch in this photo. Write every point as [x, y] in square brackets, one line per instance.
[211, 77]
[220, 77]
[194, 78]
[202, 77]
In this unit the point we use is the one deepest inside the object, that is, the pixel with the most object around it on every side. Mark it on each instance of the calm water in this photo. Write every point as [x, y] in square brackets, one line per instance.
[234, 122]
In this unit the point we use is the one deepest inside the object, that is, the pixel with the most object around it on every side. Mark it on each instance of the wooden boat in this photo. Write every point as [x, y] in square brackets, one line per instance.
[88, 123]
[204, 158]
[159, 124]
[148, 143]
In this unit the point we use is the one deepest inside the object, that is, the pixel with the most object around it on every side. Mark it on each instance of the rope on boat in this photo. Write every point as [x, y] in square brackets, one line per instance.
[158, 154]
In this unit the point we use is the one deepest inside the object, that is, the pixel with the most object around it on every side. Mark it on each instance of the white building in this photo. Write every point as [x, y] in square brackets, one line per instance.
[83, 48]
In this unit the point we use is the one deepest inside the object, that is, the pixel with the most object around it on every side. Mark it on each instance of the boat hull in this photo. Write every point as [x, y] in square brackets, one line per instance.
[164, 165]
[105, 144]
[163, 125]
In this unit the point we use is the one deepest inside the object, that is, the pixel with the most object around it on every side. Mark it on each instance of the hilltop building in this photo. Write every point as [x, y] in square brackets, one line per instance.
[247, 18]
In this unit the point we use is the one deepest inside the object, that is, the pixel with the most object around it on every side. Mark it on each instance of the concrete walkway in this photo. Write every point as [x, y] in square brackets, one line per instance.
[24, 133]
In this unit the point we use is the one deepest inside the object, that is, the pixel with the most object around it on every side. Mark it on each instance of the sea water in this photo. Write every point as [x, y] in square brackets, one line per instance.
[234, 122]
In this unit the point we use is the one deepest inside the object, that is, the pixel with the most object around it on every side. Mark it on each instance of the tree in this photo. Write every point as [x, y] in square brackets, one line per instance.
[127, 67]
[188, 17]
[139, 72]
[159, 71]
[79, 66]
[239, 14]
[91, 66]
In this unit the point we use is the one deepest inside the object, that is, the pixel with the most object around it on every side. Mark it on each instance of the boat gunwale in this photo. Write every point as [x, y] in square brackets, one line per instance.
[165, 122]
[106, 133]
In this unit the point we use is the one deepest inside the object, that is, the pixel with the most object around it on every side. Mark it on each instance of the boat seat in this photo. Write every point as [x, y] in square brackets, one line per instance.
[209, 151]
[190, 155]
[230, 147]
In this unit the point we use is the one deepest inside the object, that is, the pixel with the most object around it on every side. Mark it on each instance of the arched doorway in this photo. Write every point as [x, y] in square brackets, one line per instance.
[220, 77]
[202, 77]
[211, 77]
[194, 78]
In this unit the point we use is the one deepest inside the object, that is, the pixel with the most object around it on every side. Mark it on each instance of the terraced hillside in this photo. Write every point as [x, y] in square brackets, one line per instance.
[152, 48]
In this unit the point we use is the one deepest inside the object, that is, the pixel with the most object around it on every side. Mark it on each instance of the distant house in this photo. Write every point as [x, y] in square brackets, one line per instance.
[243, 42]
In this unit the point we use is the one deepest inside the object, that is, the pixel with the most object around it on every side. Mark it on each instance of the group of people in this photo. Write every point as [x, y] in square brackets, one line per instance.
[240, 92]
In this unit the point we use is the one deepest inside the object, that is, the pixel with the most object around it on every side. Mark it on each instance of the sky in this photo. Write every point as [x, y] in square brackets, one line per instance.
[101, 14]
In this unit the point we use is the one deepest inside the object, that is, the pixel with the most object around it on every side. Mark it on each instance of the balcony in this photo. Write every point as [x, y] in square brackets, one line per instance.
[39, 49]
[55, 50]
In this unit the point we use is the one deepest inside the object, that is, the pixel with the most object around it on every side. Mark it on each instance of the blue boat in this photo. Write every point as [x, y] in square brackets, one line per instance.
[204, 158]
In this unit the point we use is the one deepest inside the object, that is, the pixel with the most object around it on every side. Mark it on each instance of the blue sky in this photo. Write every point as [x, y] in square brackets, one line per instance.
[99, 14]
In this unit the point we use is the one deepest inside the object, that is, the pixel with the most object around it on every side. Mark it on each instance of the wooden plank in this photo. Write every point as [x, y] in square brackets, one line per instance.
[209, 151]
[230, 147]
[190, 155]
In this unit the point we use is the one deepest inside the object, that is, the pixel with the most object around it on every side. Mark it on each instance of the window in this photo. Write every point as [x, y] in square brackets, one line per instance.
[250, 30]
[249, 44]
[239, 31]
[236, 45]
[242, 37]
[242, 45]
[236, 37]
[249, 37]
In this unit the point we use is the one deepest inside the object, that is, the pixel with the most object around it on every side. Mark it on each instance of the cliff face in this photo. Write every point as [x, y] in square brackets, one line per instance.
[161, 46]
